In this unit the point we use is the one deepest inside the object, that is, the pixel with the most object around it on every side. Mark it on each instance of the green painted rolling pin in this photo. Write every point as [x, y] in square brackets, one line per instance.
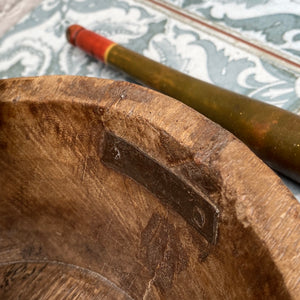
[272, 133]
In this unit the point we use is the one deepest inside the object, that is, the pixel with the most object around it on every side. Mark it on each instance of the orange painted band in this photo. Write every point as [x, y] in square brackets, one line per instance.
[90, 42]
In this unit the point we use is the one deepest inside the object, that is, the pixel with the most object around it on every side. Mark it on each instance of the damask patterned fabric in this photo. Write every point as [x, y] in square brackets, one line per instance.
[37, 44]
[274, 23]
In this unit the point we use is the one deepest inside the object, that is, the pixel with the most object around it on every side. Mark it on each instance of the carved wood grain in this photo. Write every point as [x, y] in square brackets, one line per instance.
[68, 221]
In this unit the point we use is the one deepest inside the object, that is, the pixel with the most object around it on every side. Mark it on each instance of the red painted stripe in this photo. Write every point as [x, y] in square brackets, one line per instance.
[89, 41]
[196, 20]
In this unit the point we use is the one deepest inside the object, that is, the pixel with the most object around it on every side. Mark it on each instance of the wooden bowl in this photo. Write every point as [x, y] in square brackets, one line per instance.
[111, 190]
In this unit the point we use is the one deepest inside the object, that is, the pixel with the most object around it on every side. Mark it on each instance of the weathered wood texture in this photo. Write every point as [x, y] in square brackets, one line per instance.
[72, 226]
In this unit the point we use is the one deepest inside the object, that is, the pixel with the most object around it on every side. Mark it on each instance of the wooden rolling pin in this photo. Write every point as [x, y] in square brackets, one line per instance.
[272, 133]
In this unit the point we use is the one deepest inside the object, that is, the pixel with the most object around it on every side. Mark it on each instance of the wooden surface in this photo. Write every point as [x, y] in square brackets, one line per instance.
[74, 224]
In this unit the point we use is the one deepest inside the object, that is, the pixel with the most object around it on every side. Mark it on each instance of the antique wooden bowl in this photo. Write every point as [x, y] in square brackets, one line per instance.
[111, 190]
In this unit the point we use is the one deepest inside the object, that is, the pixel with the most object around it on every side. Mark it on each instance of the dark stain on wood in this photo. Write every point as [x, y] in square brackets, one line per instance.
[2, 85]
[202, 176]
[175, 153]
[162, 252]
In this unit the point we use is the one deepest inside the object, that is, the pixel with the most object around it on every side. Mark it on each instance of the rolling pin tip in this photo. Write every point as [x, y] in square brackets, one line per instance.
[72, 32]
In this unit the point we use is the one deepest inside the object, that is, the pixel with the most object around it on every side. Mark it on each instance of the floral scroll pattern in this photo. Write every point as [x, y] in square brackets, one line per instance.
[272, 22]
